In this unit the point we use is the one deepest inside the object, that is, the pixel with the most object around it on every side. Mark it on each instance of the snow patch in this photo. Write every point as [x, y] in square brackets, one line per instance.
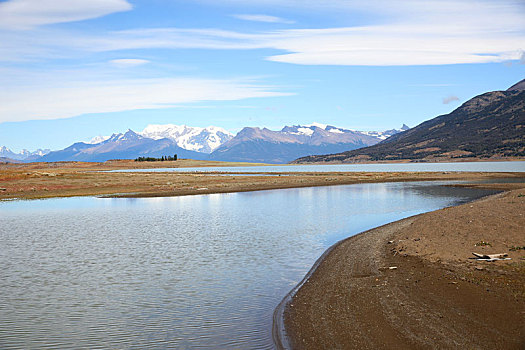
[319, 125]
[97, 139]
[305, 131]
[197, 139]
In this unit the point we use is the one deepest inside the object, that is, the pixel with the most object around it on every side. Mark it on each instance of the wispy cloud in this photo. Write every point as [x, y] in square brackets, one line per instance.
[262, 18]
[449, 99]
[71, 98]
[397, 44]
[128, 62]
[427, 33]
[26, 14]
[411, 32]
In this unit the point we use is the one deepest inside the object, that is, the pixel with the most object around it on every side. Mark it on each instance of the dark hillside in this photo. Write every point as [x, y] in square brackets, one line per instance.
[489, 125]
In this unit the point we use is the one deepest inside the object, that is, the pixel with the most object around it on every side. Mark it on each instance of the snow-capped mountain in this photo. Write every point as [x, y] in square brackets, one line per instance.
[268, 146]
[204, 140]
[332, 131]
[308, 130]
[97, 139]
[128, 145]
[23, 154]
[383, 135]
[251, 144]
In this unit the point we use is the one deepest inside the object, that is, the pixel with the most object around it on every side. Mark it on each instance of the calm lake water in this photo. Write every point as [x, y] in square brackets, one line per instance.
[195, 272]
[466, 166]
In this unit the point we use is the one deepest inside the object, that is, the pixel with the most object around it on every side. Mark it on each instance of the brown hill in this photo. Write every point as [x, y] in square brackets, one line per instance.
[488, 125]
[519, 86]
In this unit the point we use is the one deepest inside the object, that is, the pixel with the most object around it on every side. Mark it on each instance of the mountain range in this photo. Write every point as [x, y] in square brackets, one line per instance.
[267, 146]
[204, 140]
[489, 125]
[383, 135]
[24, 155]
[128, 145]
[251, 144]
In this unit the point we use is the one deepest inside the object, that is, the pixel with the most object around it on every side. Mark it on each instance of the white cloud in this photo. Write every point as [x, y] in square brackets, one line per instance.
[400, 33]
[71, 98]
[413, 33]
[451, 98]
[26, 14]
[262, 18]
[384, 48]
[128, 62]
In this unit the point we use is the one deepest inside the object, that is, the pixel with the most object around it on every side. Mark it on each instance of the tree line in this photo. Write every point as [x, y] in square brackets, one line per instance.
[152, 159]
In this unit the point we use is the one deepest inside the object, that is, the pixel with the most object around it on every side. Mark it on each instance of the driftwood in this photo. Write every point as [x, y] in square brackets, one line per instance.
[490, 257]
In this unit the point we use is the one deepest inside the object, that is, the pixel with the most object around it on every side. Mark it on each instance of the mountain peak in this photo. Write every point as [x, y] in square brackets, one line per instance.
[264, 145]
[198, 139]
[312, 129]
[130, 133]
[317, 125]
[98, 139]
[114, 137]
[519, 86]
[23, 155]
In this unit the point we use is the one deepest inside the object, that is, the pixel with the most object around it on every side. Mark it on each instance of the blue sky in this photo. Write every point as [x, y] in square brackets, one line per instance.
[71, 70]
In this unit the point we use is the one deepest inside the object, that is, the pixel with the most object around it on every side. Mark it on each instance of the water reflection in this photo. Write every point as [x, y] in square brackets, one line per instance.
[200, 271]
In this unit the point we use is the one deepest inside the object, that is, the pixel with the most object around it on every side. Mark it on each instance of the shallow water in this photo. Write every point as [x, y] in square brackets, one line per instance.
[199, 272]
[458, 166]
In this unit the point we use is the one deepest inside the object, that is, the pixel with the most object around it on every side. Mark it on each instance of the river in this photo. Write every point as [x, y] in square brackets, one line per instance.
[194, 272]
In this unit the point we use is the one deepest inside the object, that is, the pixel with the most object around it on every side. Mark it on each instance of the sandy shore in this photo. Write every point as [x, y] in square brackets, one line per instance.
[66, 179]
[411, 284]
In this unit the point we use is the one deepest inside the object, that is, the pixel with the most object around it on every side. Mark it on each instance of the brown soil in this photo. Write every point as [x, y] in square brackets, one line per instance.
[436, 297]
[65, 179]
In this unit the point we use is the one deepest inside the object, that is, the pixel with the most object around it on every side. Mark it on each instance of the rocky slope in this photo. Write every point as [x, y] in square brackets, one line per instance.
[488, 125]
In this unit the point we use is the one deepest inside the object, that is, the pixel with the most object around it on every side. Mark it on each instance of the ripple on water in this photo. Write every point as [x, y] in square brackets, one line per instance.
[199, 272]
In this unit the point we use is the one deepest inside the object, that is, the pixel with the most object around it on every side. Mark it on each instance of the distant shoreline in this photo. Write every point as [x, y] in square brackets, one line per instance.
[70, 179]
[187, 163]
[421, 289]
[422, 161]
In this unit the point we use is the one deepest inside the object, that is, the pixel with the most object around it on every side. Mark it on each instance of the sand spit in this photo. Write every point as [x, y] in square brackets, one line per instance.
[411, 284]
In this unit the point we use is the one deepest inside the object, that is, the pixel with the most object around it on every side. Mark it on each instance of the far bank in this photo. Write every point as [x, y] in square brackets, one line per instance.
[146, 179]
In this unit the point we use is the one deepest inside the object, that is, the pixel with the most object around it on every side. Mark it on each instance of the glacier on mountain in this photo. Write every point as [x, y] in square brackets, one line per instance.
[198, 139]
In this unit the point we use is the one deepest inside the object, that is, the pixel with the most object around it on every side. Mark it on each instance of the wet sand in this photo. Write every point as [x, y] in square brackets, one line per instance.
[411, 284]
[66, 179]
